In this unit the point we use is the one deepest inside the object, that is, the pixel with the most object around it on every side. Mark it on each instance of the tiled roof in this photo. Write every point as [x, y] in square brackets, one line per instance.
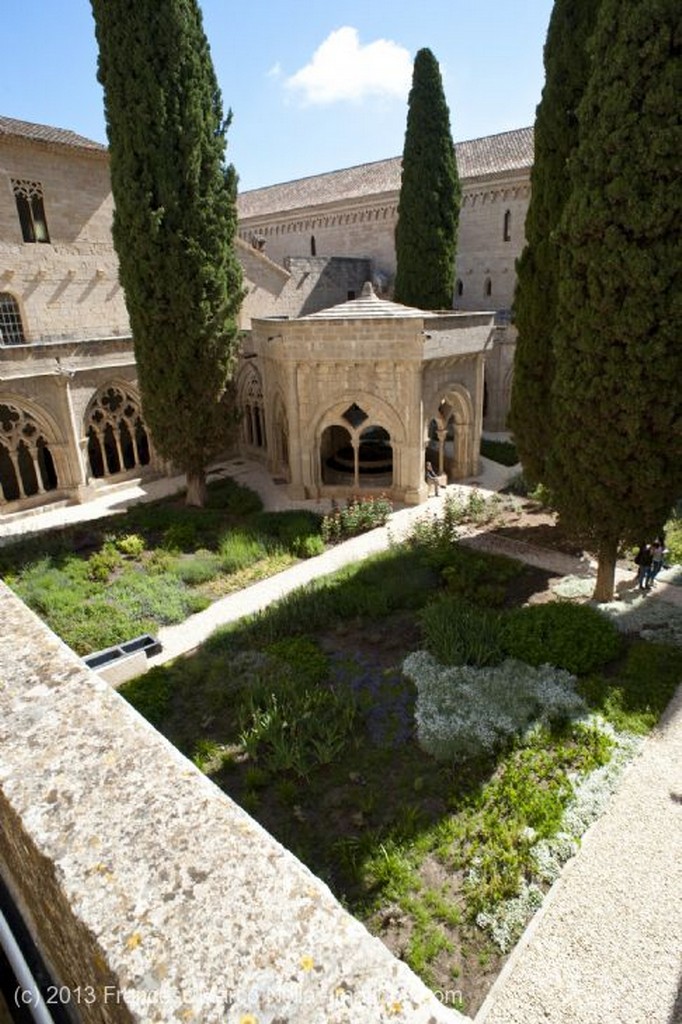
[368, 306]
[477, 158]
[45, 133]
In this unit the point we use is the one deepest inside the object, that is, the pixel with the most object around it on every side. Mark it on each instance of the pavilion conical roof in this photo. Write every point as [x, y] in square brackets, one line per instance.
[367, 306]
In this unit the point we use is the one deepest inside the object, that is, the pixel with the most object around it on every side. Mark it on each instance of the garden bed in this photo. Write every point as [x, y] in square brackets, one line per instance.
[304, 715]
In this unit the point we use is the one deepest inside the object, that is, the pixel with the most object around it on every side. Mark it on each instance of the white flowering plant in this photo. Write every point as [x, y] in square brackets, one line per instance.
[462, 711]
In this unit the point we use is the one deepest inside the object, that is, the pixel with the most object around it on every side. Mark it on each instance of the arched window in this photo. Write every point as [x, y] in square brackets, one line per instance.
[11, 327]
[488, 287]
[29, 197]
[359, 458]
[117, 438]
[313, 246]
[459, 288]
[253, 409]
[506, 230]
[26, 464]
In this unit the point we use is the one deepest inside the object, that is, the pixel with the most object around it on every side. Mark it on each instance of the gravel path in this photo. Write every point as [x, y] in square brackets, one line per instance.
[606, 947]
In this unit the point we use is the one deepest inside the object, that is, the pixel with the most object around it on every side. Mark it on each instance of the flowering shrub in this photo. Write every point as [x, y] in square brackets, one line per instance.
[462, 711]
[359, 516]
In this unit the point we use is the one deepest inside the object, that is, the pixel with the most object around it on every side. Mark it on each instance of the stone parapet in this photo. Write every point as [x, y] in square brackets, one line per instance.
[151, 895]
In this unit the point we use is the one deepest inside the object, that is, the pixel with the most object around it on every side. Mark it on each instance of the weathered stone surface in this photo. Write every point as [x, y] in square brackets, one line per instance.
[152, 895]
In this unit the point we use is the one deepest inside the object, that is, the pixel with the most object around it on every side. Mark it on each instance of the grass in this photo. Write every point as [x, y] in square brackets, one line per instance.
[99, 584]
[302, 714]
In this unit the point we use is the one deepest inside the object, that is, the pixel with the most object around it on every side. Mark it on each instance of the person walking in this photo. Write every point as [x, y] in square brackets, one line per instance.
[658, 553]
[643, 562]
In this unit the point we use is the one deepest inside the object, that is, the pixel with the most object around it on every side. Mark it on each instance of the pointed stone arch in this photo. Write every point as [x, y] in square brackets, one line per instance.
[30, 452]
[252, 408]
[449, 433]
[117, 441]
[343, 436]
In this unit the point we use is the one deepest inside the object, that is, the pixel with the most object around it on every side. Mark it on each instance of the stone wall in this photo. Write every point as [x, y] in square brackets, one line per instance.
[491, 238]
[150, 894]
[70, 287]
[366, 229]
[300, 285]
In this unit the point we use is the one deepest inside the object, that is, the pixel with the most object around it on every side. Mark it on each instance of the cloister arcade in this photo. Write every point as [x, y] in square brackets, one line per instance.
[27, 465]
[117, 440]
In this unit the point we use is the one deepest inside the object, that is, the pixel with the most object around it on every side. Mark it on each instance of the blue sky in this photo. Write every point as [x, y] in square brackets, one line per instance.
[313, 86]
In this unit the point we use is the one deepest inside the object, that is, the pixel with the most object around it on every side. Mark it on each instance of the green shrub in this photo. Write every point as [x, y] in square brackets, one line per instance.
[161, 561]
[159, 598]
[542, 495]
[437, 534]
[239, 549]
[130, 544]
[103, 563]
[180, 536]
[457, 633]
[96, 623]
[571, 636]
[302, 657]
[503, 452]
[297, 530]
[477, 576]
[44, 587]
[307, 547]
[634, 698]
[198, 568]
[359, 516]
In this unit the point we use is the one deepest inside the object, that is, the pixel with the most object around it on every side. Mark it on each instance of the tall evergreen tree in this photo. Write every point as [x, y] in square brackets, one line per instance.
[428, 208]
[556, 136]
[616, 460]
[174, 222]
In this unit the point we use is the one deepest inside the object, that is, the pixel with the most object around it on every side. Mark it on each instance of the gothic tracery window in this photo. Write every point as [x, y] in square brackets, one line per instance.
[254, 411]
[29, 198]
[117, 437]
[26, 464]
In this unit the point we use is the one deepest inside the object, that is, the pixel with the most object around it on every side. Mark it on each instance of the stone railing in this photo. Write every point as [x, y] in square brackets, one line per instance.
[150, 894]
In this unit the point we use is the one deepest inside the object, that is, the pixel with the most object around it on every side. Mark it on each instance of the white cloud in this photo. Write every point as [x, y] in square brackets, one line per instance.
[342, 69]
[275, 71]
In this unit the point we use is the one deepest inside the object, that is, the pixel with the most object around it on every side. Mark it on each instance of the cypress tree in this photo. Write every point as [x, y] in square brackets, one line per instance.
[174, 222]
[616, 461]
[556, 135]
[428, 207]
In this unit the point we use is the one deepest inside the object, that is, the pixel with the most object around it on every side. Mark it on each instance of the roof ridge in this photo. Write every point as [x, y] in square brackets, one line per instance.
[49, 134]
[375, 163]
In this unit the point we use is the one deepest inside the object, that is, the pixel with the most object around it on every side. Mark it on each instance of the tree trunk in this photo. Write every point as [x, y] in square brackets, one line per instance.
[196, 488]
[606, 571]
